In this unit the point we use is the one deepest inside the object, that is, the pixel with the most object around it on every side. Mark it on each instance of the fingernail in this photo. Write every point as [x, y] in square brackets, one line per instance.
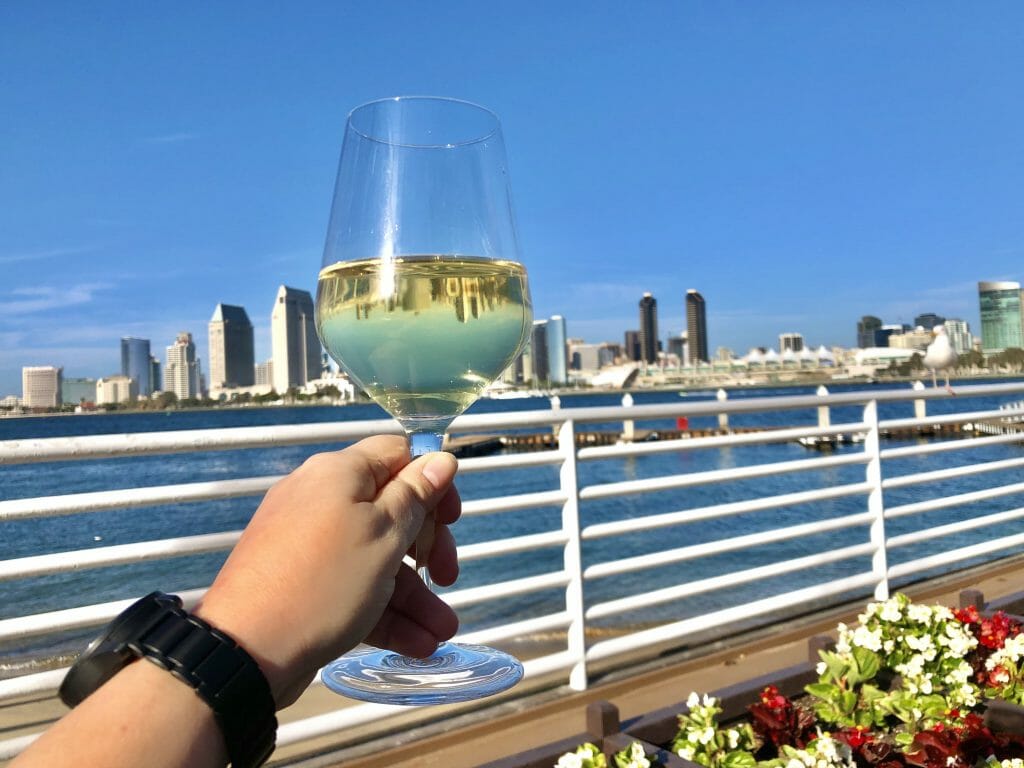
[440, 470]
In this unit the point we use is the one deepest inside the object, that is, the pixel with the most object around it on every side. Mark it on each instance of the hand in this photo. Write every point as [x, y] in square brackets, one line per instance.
[319, 567]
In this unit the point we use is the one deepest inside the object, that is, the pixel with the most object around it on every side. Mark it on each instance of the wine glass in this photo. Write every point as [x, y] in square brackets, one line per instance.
[423, 302]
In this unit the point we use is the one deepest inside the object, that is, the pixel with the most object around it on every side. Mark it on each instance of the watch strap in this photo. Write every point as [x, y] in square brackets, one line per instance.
[223, 674]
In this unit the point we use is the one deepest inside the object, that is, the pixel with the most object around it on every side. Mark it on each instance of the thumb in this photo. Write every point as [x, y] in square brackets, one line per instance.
[414, 492]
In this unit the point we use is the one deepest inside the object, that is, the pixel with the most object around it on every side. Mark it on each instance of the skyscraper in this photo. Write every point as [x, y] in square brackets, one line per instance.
[631, 341]
[696, 328]
[791, 341]
[539, 351]
[232, 361]
[40, 386]
[959, 333]
[557, 373]
[155, 380]
[928, 320]
[1000, 316]
[135, 356]
[182, 371]
[648, 329]
[295, 348]
[866, 329]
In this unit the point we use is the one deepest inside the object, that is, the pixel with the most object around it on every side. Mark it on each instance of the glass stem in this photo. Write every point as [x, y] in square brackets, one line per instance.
[419, 444]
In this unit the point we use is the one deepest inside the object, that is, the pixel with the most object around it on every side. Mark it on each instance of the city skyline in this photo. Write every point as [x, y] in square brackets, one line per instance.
[804, 165]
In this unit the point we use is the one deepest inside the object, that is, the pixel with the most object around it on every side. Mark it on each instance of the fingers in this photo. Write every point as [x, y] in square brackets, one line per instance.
[415, 620]
[376, 460]
[443, 562]
[418, 488]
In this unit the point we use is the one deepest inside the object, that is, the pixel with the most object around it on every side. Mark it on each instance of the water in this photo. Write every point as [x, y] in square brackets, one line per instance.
[84, 531]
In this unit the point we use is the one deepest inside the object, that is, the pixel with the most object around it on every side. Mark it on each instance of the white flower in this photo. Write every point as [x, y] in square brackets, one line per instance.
[890, 611]
[734, 738]
[706, 736]
[693, 700]
[569, 760]
[585, 751]
[918, 613]
[866, 638]
[821, 668]
[709, 701]
[686, 753]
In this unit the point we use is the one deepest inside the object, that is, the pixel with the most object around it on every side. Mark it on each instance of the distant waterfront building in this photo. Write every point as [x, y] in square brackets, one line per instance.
[77, 391]
[182, 369]
[928, 320]
[631, 342]
[135, 364]
[918, 339]
[677, 346]
[155, 379]
[295, 347]
[867, 327]
[1000, 316]
[793, 342]
[232, 360]
[648, 329]
[539, 357]
[882, 334]
[40, 386]
[116, 389]
[959, 333]
[557, 373]
[696, 328]
[264, 374]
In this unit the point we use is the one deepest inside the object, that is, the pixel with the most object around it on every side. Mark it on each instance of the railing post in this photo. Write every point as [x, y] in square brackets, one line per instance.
[920, 411]
[876, 504]
[573, 557]
[723, 418]
[824, 414]
[627, 425]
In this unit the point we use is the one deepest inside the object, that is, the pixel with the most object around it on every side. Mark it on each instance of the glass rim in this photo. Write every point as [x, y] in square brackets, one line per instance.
[495, 122]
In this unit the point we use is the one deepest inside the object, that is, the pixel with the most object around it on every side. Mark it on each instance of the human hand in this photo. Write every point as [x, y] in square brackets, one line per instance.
[319, 567]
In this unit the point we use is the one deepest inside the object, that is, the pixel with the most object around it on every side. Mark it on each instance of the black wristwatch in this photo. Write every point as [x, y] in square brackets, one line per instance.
[221, 672]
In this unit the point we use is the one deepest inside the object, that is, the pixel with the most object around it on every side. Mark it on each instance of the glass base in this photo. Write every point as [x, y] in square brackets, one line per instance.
[453, 673]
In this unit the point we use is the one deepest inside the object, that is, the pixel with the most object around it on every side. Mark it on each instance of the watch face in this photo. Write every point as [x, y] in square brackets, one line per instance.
[109, 653]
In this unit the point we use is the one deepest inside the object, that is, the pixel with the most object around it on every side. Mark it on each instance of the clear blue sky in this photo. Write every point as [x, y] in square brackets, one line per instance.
[800, 163]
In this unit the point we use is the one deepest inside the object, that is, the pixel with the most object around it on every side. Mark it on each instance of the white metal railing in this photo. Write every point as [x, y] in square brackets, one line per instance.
[863, 533]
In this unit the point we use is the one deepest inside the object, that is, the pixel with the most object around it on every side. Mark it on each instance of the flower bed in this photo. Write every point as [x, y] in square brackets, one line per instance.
[911, 686]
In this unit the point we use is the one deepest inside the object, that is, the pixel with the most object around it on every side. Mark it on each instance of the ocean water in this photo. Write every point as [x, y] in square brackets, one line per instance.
[83, 531]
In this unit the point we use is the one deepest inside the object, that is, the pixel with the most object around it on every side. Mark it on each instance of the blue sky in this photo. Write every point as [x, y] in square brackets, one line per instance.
[799, 163]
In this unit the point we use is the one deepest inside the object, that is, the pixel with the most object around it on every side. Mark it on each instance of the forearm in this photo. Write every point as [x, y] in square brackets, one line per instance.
[143, 716]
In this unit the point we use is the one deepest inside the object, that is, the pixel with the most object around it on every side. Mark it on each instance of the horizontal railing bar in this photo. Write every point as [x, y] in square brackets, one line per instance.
[525, 543]
[733, 579]
[512, 503]
[649, 522]
[10, 748]
[128, 498]
[943, 559]
[919, 478]
[948, 418]
[669, 556]
[716, 441]
[965, 444]
[725, 616]
[73, 560]
[517, 629]
[944, 502]
[510, 461]
[110, 446]
[36, 682]
[673, 482]
[461, 597]
[83, 617]
[939, 531]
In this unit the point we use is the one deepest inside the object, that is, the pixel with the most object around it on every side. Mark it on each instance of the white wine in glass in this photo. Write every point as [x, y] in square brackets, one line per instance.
[422, 300]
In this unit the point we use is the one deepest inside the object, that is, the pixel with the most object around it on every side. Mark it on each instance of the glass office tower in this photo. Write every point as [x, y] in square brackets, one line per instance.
[1000, 316]
[135, 363]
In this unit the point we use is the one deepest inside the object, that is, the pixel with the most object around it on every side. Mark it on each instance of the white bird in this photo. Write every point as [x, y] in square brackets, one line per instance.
[940, 356]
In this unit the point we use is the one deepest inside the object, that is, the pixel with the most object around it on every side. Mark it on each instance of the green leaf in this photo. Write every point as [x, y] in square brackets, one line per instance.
[867, 664]
[825, 691]
[739, 759]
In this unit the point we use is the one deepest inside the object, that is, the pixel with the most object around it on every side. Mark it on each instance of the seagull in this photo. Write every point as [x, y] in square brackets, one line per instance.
[940, 356]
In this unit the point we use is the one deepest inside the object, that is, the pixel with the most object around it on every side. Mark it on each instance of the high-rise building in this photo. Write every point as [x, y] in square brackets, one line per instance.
[78, 390]
[791, 341]
[155, 379]
[539, 351]
[40, 386]
[632, 344]
[696, 328]
[135, 357]
[648, 329]
[928, 320]
[867, 326]
[959, 333]
[295, 348]
[181, 373]
[116, 389]
[264, 374]
[557, 351]
[1000, 316]
[677, 347]
[232, 360]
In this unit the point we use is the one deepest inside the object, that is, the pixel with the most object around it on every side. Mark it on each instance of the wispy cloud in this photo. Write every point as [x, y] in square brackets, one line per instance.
[42, 298]
[171, 138]
[48, 253]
